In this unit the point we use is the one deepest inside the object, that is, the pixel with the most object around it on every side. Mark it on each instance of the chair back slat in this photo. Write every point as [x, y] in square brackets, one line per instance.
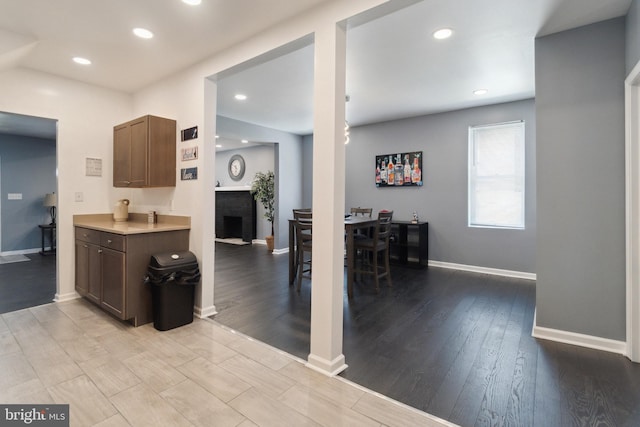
[383, 226]
[302, 214]
[304, 243]
[304, 227]
[361, 211]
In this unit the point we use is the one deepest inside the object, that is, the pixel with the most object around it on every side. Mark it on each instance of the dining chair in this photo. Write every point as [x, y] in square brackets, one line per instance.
[373, 246]
[362, 211]
[304, 245]
[302, 210]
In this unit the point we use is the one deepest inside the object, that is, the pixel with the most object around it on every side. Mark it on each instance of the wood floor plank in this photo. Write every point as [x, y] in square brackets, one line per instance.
[481, 344]
[522, 394]
[482, 396]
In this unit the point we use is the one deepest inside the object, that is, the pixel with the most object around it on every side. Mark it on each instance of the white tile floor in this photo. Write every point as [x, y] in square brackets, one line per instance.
[201, 374]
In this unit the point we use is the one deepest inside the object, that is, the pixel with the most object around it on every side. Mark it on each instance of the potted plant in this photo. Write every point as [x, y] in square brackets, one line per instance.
[263, 191]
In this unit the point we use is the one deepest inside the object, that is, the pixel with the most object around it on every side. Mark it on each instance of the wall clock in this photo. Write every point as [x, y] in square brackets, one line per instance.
[236, 167]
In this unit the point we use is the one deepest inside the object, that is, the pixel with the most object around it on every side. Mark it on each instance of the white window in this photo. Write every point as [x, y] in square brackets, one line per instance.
[496, 175]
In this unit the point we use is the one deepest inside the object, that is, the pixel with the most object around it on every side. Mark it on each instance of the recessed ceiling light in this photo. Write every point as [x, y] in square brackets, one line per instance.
[241, 97]
[443, 33]
[480, 92]
[192, 2]
[218, 145]
[82, 61]
[244, 141]
[142, 33]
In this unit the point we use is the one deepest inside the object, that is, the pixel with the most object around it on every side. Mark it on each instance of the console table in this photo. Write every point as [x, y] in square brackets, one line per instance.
[409, 243]
[51, 230]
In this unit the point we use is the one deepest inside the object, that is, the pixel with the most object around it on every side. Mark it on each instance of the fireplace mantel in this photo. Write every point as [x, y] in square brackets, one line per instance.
[234, 188]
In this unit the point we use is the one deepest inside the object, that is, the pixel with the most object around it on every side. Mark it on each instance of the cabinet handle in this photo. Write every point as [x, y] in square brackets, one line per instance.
[127, 182]
[86, 246]
[109, 241]
[99, 251]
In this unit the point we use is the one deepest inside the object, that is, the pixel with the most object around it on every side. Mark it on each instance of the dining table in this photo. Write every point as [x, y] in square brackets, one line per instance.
[351, 224]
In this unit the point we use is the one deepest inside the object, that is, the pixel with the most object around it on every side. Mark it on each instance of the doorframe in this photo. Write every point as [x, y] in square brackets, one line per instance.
[632, 211]
[0, 206]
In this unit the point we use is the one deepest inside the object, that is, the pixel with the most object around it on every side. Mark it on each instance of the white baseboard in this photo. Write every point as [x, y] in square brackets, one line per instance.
[205, 312]
[582, 340]
[330, 368]
[483, 270]
[21, 252]
[66, 297]
[275, 251]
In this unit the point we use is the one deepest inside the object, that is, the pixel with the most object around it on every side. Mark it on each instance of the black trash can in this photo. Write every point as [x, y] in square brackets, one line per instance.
[173, 277]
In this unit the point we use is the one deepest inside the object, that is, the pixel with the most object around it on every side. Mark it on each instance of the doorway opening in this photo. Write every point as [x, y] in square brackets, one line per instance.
[28, 167]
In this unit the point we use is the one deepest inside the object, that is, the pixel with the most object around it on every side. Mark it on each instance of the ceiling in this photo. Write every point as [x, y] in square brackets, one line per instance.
[395, 68]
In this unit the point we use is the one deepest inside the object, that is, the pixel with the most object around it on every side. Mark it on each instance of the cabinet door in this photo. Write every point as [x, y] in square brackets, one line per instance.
[94, 283]
[130, 153]
[138, 152]
[82, 268]
[121, 157]
[113, 281]
[162, 152]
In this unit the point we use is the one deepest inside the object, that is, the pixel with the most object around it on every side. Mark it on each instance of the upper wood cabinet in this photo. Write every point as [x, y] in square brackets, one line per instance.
[144, 153]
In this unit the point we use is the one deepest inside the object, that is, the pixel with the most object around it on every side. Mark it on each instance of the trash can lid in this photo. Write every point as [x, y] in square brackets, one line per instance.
[171, 259]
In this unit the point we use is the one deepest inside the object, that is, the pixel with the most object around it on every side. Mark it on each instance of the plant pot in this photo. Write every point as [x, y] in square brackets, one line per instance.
[270, 243]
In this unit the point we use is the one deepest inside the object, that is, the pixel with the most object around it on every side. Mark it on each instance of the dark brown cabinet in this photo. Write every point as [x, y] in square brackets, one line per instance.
[110, 269]
[100, 269]
[113, 280]
[409, 243]
[113, 263]
[88, 269]
[144, 153]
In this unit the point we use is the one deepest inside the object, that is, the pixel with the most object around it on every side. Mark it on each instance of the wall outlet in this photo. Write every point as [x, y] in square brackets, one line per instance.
[79, 196]
[14, 196]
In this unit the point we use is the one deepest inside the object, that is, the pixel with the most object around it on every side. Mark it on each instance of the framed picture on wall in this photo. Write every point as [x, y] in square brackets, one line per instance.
[190, 153]
[399, 169]
[187, 174]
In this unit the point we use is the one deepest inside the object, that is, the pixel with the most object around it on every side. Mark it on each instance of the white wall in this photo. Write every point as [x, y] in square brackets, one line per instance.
[86, 115]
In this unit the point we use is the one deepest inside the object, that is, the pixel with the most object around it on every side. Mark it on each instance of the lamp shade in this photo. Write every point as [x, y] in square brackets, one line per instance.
[50, 200]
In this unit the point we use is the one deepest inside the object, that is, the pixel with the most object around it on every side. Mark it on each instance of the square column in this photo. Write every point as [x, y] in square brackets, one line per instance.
[327, 288]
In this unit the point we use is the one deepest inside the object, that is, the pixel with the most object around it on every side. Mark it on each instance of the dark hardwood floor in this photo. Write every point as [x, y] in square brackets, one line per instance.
[455, 344]
[27, 284]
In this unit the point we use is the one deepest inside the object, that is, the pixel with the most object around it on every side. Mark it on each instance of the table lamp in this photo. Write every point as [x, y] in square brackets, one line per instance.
[50, 201]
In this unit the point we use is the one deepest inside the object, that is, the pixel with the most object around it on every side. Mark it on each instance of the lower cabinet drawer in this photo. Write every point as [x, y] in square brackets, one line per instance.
[87, 235]
[117, 242]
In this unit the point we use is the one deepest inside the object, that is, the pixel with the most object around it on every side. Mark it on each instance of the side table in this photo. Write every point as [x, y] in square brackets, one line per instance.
[51, 228]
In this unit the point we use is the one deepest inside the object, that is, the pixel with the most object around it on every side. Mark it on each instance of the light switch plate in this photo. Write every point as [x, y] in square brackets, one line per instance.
[79, 196]
[14, 196]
